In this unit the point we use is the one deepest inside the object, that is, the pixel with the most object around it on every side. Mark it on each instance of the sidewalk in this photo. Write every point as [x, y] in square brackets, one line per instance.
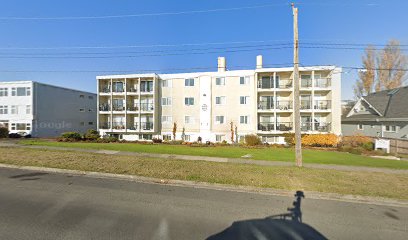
[211, 159]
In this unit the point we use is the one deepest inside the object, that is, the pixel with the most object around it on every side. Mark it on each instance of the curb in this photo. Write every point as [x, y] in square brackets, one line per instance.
[218, 187]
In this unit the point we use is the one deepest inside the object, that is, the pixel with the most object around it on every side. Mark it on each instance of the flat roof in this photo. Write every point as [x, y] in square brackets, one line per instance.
[45, 84]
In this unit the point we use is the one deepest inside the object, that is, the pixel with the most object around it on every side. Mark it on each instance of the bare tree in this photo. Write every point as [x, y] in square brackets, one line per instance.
[391, 63]
[174, 131]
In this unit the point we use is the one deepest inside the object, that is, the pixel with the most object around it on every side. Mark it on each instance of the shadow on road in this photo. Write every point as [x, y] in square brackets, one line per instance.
[29, 176]
[283, 226]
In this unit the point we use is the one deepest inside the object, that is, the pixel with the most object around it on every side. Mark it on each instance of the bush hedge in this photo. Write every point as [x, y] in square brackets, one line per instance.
[71, 136]
[4, 132]
[252, 140]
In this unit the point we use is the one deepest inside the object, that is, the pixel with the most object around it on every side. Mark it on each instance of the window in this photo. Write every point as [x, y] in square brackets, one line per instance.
[166, 101]
[220, 100]
[189, 82]
[167, 83]
[28, 109]
[82, 123]
[146, 136]
[188, 101]
[188, 119]
[14, 109]
[187, 138]
[218, 138]
[3, 109]
[90, 110]
[243, 119]
[90, 123]
[220, 81]
[219, 119]
[81, 96]
[22, 126]
[3, 92]
[360, 127]
[244, 80]
[90, 97]
[243, 99]
[391, 128]
[167, 119]
[167, 137]
[21, 91]
[82, 109]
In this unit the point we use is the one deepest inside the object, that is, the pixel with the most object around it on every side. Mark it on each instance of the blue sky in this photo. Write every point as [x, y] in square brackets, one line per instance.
[363, 21]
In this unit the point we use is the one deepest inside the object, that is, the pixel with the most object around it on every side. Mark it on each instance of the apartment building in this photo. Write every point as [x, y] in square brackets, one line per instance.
[206, 104]
[41, 110]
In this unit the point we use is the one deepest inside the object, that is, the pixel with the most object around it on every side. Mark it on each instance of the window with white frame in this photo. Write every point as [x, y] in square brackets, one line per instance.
[220, 100]
[166, 101]
[167, 137]
[167, 83]
[21, 91]
[243, 99]
[3, 92]
[244, 80]
[189, 82]
[220, 81]
[3, 109]
[219, 119]
[187, 138]
[188, 119]
[28, 109]
[244, 119]
[218, 138]
[360, 126]
[167, 119]
[391, 128]
[189, 101]
[13, 109]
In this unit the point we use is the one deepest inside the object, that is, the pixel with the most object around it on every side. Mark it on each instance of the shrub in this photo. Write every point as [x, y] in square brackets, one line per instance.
[289, 138]
[252, 140]
[91, 135]
[369, 146]
[355, 140]
[320, 140]
[157, 140]
[71, 136]
[176, 142]
[4, 132]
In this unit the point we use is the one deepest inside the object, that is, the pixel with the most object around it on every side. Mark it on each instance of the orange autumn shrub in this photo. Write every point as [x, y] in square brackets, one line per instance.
[320, 140]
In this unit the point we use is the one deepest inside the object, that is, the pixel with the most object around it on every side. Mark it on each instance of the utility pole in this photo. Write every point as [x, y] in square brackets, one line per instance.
[298, 136]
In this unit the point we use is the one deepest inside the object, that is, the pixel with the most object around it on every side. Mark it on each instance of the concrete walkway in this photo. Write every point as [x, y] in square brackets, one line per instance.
[14, 144]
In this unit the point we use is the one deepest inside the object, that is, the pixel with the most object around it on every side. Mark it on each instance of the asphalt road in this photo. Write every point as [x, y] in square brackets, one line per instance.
[35, 205]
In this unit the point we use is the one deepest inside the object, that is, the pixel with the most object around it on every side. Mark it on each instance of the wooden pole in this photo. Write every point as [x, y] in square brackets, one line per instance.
[298, 136]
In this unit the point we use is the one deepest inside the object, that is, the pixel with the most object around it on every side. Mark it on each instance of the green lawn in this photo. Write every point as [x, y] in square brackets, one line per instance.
[270, 154]
[373, 184]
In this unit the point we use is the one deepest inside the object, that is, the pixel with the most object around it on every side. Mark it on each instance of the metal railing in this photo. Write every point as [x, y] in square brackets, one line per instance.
[105, 89]
[132, 126]
[266, 126]
[322, 83]
[306, 126]
[285, 83]
[118, 108]
[118, 125]
[146, 126]
[104, 125]
[322, 104]
[322, 127]
[147, 107]
[118, 89]
[265, 105]
[132, 89]
[284, 105]
[132, 108]
[284, 126]
[104, 107]
[306, 83]
[305, 104]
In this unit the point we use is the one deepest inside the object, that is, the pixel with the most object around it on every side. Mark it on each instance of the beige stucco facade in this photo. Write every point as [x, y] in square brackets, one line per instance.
[205, 104]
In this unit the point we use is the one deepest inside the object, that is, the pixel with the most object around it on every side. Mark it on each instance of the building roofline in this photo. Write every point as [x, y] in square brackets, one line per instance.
[46, 84]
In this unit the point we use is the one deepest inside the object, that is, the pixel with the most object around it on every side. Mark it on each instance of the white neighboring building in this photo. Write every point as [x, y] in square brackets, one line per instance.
[41, 110]
[257, 101]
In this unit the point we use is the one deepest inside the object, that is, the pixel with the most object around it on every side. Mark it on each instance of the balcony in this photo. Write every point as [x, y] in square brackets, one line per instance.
[284, 84]
[118, 89]
[265, 105]
[104, 107]
[104, 125]
[284, 105]
[105, 89]
[322, 83]
[132, 108]
[132, 127]
[147, 126]
[266, 126]
[118, 108]
[322, 127]
[322, 105]
[284, 126]
[306, 83]
[306, 126]
[132, 90]
[118, 126]
[147, 107]
[305, 105]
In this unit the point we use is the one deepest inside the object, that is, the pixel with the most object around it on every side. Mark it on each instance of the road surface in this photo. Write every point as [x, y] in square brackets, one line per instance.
[38, 205]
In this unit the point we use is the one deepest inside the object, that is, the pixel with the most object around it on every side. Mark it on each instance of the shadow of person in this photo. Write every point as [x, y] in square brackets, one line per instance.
[283, 226]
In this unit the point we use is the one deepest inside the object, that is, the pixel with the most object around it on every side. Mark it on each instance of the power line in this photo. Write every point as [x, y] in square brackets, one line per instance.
[140, 14]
